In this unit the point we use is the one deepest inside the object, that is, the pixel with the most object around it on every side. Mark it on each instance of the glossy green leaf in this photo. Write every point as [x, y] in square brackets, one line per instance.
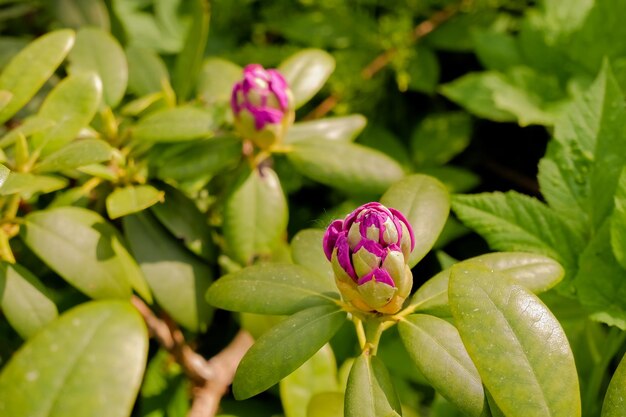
[370, 392]
[517, 345]
[178, 279]
[75, 155]
[281, 350]
[4, 174]
[70, 105]
[26, 184]
[271, 289]
[146, 71]
[306, 72]
[90, 362]
[217, 78]
[425, 203]
[5, 98]
[185, 221]
[83, 249]
[537, 273]
[24, 300]
[189, 60]
[618, 221]
[316, 375]
[97, 51]
[347, 166]
[31, 67]
[131, 199]
[343, 129]
[325, 404]
[436, 348]
[615, 399]
[175, 125]
[79, 13]
[306, 250]
[440, 137]
[255, 215]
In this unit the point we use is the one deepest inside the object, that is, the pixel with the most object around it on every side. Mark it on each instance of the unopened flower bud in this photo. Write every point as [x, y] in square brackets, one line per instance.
[368, 251]
[262, 104]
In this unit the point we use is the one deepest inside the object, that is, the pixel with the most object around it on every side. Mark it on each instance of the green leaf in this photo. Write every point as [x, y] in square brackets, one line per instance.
[164, 391]
[346, 166]
[31, 67]
[185, 221]
[343, 129]
[178, 279]
[515, 222]
[271, 289]
[131, 199]
[26, 184]
[216, 80]
[497, 50]
[535, 272]
[440, 137]
[425, 203]
[255, 215]
[189, 60]
[285, 348]
[306, 72]
[70, 105]
[174, 125]
[456, 180]
[436, 348]
[618, 221]
[82, 248]
[75, 155]
[30, 126]
[97, 51]
[316, 375]
[4, 174]
[615, 399]
[24, 300]
[202, 160]
[306, 250]
[79, 13]
[325, 404]
[423, 70]
[146, 71]
[370, 392]
[90, 362]
[516, 344]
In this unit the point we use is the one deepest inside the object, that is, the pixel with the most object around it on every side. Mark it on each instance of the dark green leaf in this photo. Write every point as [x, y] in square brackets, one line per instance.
[343, 129]
[349, 167]
[75, 155]
[164, 391]
[370, 392]
[440, 137]
[175, 125]
[516, 344]
[457, 180]
[306, 250]
[90, 362]
[31, 67]
[306, 72]
[497, 50]
[284, 348]
[271, 289]
[131, 199]
[425, 203]
[79, 13]
[423, 70]
[178, 280]
[146, 71]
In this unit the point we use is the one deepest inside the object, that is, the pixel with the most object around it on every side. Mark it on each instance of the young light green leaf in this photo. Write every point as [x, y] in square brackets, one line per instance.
[178, 279]
[131, 199]
[75, 155]
[436, 348]
[318, 374]
[97, 51]
[146, 71]
[615, 399]
[216, 81]
[30, 126]
[26, 184]
[70, 105]
[537, 273]
[285, 348]
[425, 203]
[31, 67]
[325, 404]
[4, 174]
[271, 289]
[370, 392]
[346, 166]
[618, 221]
[82, 248]
[516, 222]
[5, 98]
[255, 215]
[78, 13]
[440, 137]
[95, 352]
[343, 129]
[306, 72]
[517, 345]
[175, 125]
[306, 250]
[24, 300]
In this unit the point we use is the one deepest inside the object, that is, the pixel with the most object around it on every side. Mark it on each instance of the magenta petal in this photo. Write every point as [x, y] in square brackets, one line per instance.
[379, 275]
[403, 219]
[264, 115]
[330, 237]
[343, 255]
[372, 247]
[234, 104]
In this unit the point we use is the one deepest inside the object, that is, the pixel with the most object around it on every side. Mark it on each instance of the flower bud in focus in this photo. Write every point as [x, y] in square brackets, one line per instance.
[369, 250]
[262, 104]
